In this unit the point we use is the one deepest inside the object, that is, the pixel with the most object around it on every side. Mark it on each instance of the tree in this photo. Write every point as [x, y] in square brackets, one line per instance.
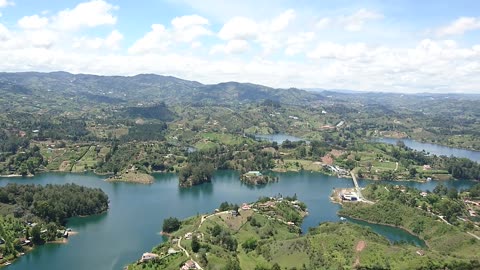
[37, 236]
[276, 266]
[413, 172]
[171, 224]
[195, 244]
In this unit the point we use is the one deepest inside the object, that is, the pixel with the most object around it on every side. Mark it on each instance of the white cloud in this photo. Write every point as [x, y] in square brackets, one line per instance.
[184, 22]
[185, 29]
[4, 33]
[253, 49]
[338, 51]
[297, 43]
[87, 14]
[157, 40]
[356, 21]
[280, 22]
[5, 3]
[236, 46]
[239, 28]
[110, 42]
[353, 22]
[460, 26]
[323, 23]
[188, 28]
[33, 22]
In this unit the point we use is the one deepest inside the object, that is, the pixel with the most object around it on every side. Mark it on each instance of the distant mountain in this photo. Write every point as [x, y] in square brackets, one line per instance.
[142, 88]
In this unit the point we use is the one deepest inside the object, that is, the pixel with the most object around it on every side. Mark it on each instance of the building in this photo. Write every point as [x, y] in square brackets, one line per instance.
[253, 173]
[189, 265]
[427, 167]
[147, 256]
[423, 194]
[420, 252]
[350, 196]
[245, 206]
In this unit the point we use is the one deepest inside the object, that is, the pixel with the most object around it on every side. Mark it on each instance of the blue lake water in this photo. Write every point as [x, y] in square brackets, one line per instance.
[434, 148]
[136, 214]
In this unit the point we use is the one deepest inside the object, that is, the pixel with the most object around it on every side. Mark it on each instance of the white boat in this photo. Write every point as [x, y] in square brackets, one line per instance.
[342, 219]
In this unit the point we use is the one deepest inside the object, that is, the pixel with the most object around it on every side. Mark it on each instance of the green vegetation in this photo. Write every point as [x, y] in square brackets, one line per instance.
[33, 214]
[171, 224]
[261, 238]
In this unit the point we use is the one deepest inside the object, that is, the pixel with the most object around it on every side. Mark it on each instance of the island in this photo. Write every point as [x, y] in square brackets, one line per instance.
[257, 178]
[32, 215]
[266, 235]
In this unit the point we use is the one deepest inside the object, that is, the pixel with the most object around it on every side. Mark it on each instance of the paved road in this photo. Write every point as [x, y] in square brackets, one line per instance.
[358, 189]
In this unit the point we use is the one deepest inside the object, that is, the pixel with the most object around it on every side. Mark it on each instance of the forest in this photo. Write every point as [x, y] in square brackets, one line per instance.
[53, 203]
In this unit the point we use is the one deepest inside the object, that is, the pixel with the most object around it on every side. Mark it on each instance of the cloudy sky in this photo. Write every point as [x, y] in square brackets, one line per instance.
[383, 45]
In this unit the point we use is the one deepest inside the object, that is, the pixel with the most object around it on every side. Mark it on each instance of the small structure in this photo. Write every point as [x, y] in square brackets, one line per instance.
[234, 213]
[189, 265]
[188, 235]
[423, 194]
[147, 256]
[245, 206]
[427, 167]
[253, 173]
[420, 252]
[350, 196]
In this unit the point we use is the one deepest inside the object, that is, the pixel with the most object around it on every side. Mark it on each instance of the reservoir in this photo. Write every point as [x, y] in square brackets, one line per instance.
[134, 220]
[435, 149]
[278, 138]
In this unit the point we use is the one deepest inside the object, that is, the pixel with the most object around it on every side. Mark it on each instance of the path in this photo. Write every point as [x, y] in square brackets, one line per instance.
[358, 189]
[186, 253]
[396, 166]
[474, 235]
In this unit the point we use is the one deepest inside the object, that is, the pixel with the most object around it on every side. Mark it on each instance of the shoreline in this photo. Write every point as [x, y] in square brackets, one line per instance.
[389, 225]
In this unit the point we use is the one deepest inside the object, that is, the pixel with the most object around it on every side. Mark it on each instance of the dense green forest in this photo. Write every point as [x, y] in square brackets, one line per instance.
[53, 203]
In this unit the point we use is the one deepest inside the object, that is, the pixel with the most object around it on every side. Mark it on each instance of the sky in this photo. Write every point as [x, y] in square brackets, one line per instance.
[389, 45]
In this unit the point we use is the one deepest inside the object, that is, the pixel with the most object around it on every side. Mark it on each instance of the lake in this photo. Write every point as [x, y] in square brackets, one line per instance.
[434, 148]
[134, 220]
[278, 138]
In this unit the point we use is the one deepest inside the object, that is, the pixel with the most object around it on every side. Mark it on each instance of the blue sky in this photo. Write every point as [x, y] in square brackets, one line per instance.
[395, 46]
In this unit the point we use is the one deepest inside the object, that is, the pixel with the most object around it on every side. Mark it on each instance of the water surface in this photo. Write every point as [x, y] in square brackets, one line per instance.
[132, 224]
[435, 149]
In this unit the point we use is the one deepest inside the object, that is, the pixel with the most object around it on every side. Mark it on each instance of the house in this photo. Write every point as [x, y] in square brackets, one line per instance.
[423, 194]
[147, 256]
[188, 235]
[234, 213]
[427, 167]
[420, 252]
[189, 265]
[245, 206]
[253, 173]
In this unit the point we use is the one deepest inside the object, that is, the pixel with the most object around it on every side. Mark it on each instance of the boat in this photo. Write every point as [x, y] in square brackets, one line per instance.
[7, 263]
[342, 219]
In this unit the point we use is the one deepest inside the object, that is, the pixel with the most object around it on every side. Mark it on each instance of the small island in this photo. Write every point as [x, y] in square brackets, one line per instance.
[257, 178]
[195, 174]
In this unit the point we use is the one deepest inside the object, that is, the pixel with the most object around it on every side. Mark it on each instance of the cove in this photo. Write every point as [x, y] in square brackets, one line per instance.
[393, 234]
[435, 149]
[133, 222]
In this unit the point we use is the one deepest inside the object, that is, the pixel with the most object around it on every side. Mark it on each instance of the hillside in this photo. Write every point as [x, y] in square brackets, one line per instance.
[62, 88]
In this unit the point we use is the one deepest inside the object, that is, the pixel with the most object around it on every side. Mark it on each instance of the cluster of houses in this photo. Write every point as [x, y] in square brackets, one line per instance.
[471, 211]
[337, 170]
